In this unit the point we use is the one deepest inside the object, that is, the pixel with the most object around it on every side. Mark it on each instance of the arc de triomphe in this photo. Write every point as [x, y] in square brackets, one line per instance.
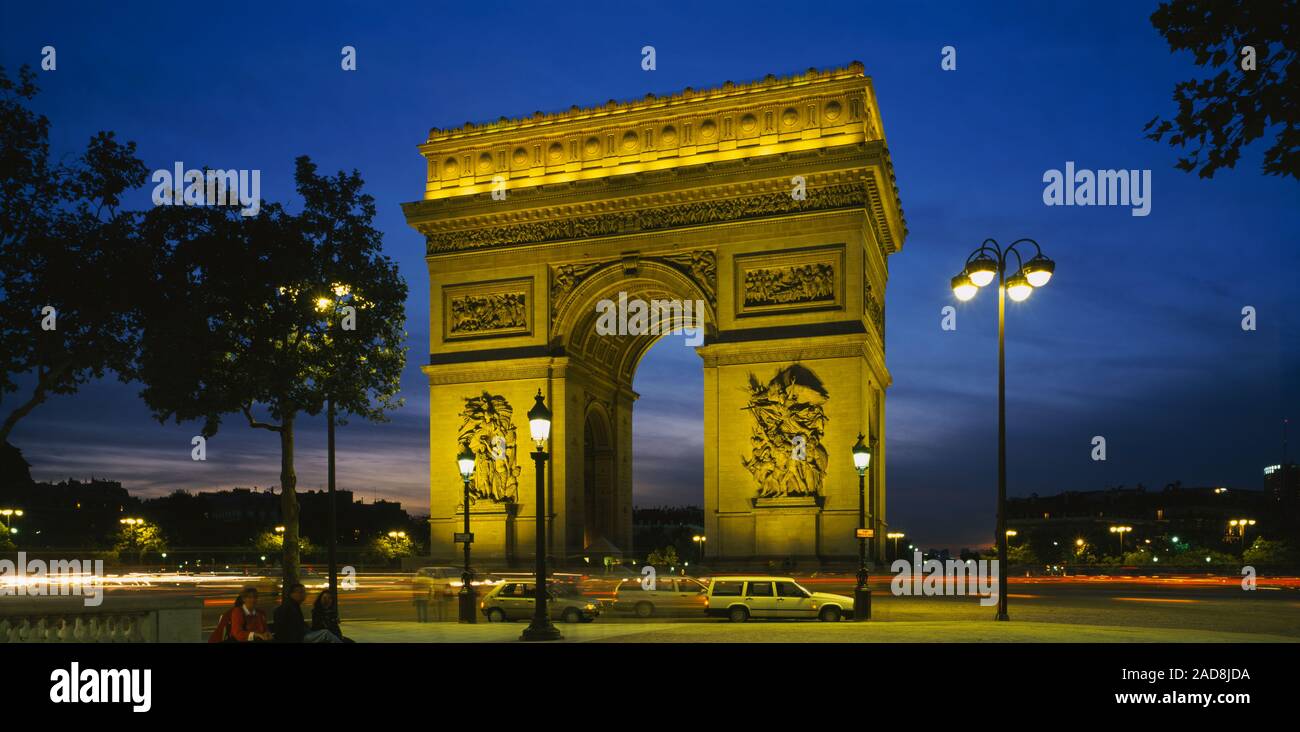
[773, 203]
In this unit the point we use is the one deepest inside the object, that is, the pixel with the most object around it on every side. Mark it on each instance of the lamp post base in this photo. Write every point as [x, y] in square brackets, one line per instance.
[543, 631]
[1001, 616]
[468, 605]
[861, 603]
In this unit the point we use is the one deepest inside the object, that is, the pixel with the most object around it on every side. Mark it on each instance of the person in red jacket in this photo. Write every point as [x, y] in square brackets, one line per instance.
[247, 623]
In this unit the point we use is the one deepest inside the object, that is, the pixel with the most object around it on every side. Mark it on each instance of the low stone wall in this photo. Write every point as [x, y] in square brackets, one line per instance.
[117, 620]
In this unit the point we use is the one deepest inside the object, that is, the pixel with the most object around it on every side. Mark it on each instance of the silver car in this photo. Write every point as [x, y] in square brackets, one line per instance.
[666, 596]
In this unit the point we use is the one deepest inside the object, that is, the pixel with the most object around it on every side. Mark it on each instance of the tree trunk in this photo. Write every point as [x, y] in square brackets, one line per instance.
[288, 503]
[43, 382]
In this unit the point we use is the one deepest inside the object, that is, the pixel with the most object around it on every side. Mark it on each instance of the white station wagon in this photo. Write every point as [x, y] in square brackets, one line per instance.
[742, 598]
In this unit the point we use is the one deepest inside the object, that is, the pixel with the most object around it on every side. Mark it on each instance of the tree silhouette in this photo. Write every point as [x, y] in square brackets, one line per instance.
[70, 265]
[245, 317]
[1218, 116]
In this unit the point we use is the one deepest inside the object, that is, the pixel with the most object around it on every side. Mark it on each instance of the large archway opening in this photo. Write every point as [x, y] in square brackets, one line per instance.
[668, 450]
[610, 379]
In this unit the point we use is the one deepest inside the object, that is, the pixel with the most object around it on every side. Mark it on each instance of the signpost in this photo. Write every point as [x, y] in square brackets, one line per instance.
[463, 537]
[864, 533]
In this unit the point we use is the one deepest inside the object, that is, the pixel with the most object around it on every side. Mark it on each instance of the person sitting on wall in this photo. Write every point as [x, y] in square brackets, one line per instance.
[247, 623]
[325, 616]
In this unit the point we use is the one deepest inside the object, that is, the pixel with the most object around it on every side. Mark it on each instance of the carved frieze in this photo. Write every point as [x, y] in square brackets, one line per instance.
[497, 311]
[790, 280]
[843, 195]
[487, 309]
[801, 283]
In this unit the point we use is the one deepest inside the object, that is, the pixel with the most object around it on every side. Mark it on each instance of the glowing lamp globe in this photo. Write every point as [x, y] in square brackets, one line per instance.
[861, 456]
[465, 461]
[1018, 287]
[539, 420]
[982, 271]
[1039, 270]
[963, 288]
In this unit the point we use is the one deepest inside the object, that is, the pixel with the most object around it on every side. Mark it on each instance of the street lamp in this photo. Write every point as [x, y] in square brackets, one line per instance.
[325, 303]
[468, 602]
[1240, 525]
[9, 515]
[1121, 531]
[862, 593]
[699, 540]
[133, 526]
[539, 423]
[895, 535]
[985, 264]
[333, 516]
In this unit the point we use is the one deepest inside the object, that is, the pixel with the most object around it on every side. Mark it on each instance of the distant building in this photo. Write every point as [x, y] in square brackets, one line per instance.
[1200, 515]
[1283, 481]
[70, 513]
[242, 505]
[358, 521]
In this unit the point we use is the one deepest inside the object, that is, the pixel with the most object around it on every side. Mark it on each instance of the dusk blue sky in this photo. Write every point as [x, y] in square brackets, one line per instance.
[1137, 339]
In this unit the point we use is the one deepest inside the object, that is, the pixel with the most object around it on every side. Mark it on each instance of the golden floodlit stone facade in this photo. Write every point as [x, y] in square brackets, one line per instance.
[772, 203]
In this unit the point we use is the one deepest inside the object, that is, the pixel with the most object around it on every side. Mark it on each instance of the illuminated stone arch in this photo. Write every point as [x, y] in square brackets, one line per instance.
[771, 202]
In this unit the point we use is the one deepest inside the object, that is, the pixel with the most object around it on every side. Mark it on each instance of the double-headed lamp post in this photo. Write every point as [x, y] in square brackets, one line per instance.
[468, 601]
[862, 593]
[1121, 530]
[895, 535]
[539, 423]
[9, 515]
[985, 264]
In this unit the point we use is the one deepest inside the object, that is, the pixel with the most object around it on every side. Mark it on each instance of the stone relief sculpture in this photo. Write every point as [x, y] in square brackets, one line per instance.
[495, 311]
[566, 278]
[787, 285]
[489, 430]
[874, 309]
[492, 234]
[701, 265]
[787, 457]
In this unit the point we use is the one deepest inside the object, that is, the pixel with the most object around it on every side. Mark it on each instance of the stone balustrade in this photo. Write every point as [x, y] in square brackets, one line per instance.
[116, 620]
